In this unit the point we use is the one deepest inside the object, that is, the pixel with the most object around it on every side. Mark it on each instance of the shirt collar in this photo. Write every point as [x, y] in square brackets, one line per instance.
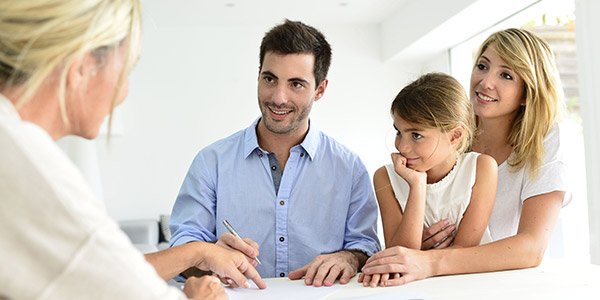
[309, 144]
[250, 139]
[7, 109]
[311, 140]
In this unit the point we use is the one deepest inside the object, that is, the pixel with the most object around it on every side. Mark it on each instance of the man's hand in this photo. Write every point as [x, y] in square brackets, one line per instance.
[327, 268]
[205, 288]
[246, 246]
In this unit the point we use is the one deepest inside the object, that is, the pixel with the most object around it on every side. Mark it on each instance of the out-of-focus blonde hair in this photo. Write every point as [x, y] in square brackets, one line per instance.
[38, 37]
[532, 59]
[437, 100]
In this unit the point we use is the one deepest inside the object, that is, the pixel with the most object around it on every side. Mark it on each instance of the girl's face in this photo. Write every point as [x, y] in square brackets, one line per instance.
[425, 149]
[496, 89]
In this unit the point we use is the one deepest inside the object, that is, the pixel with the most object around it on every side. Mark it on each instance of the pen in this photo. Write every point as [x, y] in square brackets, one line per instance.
[230, 228]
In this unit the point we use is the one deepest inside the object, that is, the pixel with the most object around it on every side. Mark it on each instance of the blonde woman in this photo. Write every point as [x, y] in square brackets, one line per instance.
[63, 68]
[516, 97]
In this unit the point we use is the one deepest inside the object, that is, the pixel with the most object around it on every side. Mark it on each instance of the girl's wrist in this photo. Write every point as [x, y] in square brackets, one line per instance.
[418, 183]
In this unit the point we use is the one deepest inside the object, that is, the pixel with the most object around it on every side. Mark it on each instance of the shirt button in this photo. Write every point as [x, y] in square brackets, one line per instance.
[281, 239]
[301, 154]
[281, 274]
[281, 202]
[273, 168]
[260, 155]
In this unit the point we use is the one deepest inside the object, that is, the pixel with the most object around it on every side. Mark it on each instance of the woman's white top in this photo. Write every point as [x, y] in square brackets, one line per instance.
[447, 198]
[516, 187]
[57, 241]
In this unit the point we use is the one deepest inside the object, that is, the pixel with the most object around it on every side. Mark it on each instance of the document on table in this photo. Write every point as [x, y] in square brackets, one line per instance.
[389, 295]
[283, 288]
[276, 289]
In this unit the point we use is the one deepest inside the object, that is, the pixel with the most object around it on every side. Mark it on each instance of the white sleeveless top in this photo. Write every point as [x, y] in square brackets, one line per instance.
[447, 198]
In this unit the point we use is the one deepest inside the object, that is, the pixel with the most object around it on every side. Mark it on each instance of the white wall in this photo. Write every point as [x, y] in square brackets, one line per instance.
[588, 64]
[195, 84]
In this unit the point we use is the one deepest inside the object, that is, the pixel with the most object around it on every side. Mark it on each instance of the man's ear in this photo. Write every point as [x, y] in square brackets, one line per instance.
[457, 134]
[321, 89]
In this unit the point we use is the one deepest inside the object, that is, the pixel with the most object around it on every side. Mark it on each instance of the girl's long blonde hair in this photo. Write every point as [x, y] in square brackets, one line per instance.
[532, 59]
[38, 37]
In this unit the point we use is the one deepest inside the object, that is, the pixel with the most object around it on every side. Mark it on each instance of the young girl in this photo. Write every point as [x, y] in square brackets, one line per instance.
[431, 178]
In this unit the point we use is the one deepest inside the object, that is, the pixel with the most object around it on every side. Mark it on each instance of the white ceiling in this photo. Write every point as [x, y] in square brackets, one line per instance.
[411, 30]
[261, 12]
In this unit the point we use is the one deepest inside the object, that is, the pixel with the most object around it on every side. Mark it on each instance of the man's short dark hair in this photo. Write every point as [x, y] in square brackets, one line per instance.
[293, 37]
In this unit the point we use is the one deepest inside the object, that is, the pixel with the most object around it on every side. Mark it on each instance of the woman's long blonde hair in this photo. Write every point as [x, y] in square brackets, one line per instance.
[532, 59]
[38, 37]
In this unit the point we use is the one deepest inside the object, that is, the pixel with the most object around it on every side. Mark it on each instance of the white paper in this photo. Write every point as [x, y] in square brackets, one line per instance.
[389, 294]
[282, 289]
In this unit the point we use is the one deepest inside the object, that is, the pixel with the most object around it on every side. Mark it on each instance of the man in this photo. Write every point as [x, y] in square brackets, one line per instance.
[303, 197]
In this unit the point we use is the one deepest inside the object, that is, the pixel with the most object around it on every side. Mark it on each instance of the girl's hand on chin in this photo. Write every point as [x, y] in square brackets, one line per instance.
[413, 177]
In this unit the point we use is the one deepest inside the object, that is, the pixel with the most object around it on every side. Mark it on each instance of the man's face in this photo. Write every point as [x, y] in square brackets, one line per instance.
[286, 91]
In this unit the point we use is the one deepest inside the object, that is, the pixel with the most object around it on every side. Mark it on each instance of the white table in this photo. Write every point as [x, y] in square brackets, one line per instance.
[551, 280]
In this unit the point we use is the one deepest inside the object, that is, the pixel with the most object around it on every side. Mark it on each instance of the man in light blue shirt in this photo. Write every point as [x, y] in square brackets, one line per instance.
[304, 198]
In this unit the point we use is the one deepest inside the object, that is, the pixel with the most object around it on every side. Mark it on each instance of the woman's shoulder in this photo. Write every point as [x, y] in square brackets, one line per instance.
[554, 133]
[560, 135]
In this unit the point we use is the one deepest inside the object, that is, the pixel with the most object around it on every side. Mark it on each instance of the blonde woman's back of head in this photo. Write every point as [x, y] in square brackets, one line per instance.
[532, 59]
[38, 37]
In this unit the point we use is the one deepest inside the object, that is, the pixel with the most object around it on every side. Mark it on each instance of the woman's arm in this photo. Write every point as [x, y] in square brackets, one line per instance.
[171, 262]
[524, 250]
[477, 215]
[205, 256]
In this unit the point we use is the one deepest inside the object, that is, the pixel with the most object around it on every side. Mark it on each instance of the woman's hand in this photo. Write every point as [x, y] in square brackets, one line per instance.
[204, 288]
[245, 246]
[413, 177]
[438, 236]
[231, 266]
[376, 279]
[411, 264]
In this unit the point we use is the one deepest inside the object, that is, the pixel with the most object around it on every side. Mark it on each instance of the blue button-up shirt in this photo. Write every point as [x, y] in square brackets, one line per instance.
[324, 202]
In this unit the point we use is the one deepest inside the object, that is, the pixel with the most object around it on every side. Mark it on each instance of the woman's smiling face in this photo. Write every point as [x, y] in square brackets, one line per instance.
[496, 89]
